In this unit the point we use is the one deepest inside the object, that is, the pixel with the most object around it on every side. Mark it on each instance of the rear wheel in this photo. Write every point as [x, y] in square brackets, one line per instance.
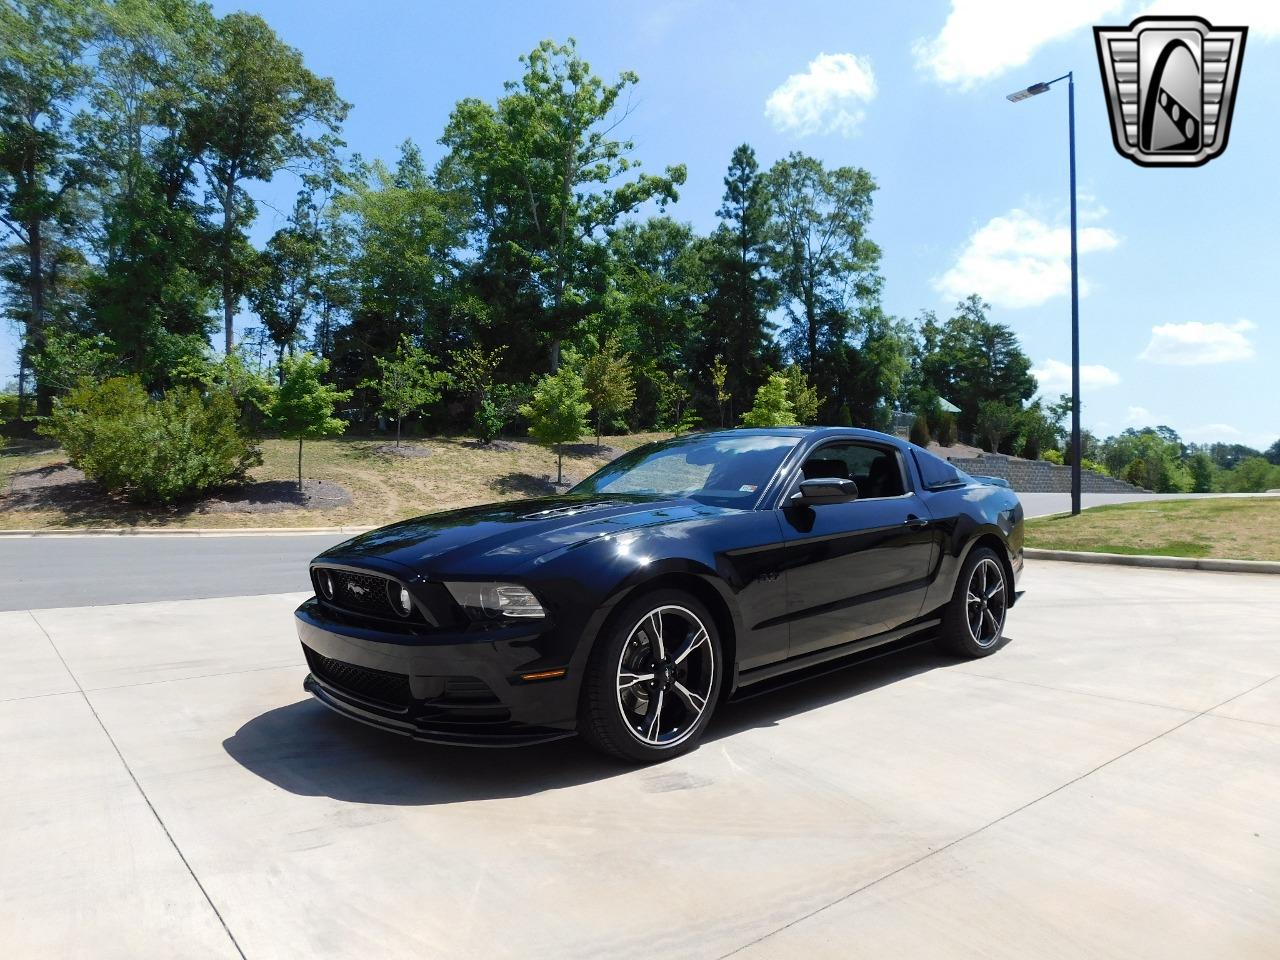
[653, 678]
[973, 624]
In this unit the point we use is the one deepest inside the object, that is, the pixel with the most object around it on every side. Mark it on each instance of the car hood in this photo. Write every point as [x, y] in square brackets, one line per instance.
[500, 537]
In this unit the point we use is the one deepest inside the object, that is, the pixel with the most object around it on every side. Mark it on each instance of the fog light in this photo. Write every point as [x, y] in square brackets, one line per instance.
[325, 579]
[399, 597]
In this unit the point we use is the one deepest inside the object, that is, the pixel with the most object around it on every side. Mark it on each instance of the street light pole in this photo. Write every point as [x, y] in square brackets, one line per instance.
[1031, 91]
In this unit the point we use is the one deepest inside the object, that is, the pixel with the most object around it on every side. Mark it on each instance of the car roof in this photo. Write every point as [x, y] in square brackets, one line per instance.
[817, 433]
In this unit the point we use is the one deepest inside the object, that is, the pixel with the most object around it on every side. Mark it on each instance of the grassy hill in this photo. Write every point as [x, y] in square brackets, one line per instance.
[364, 484]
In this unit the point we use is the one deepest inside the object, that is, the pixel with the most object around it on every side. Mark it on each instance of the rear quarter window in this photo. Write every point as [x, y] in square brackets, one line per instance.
[936, 472]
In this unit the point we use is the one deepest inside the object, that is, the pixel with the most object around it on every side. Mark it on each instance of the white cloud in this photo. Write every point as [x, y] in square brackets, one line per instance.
[1195, 344]
[1212, 433]
[828, 98]
[985, 38]
[1019, 261]
[1136, 415]
[1054, 376]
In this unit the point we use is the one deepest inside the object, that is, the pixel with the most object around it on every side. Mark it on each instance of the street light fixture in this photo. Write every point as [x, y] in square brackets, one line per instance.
[1031, 91]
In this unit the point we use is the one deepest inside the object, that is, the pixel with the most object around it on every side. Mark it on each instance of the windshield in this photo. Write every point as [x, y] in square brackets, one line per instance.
[719, 469]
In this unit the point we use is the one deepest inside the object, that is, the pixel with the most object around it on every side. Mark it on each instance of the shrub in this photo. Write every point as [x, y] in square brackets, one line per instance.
[1053, 456]
[946, 432]
[843, 417]
[920, 431]
[772, 407]
[152, 451]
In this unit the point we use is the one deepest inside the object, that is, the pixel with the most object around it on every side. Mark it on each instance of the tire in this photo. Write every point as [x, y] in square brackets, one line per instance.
[973, 622]
[661, 648]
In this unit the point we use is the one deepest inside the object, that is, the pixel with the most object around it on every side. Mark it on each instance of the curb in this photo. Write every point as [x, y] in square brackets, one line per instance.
[184, 532]
[1167, 563]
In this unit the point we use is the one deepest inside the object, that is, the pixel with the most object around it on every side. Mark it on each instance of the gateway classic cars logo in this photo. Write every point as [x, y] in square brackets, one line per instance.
[1170, 84]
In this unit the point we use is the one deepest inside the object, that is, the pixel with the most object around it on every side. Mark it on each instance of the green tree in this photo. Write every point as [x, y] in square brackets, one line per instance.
[801, 393]
[1252, 475]
[742, 290]
[557, 412]
[844, 417]
[69, 359]
[772, 407]
[286, 290]
[254, 111]
[607, 380]
[43, 81]
[405, 235]
[720, 381]
[1201, 467]
[971, 360]
[407, 381]
[825, 262]
[547, 180]
[996, 420]
[301, 408]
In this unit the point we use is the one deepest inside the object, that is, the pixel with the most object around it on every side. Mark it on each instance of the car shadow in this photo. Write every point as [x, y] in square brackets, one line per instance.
[310, 751]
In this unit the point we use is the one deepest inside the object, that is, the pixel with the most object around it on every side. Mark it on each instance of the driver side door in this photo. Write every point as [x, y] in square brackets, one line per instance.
[858, 568]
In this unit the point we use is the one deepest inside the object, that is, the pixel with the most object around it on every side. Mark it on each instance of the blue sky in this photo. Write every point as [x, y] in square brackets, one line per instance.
[1178, 317]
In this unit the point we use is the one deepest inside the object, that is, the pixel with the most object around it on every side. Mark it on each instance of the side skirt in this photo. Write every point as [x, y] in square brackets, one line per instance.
[774, 676]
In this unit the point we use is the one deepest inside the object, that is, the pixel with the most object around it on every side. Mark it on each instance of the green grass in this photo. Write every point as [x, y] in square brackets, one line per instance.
[1235, 528]
[383, 488]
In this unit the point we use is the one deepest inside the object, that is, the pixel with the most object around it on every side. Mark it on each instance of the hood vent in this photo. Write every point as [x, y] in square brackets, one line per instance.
[566, 511]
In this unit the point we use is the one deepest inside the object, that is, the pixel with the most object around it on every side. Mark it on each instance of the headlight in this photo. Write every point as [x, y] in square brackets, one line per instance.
[487, 600]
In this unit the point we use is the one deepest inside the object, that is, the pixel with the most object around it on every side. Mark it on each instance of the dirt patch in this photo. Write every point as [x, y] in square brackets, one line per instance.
[527, 485]
[601, 450]
[494, 446]
[65, 488]
[403, 450]
[272, 496]
[55, 487]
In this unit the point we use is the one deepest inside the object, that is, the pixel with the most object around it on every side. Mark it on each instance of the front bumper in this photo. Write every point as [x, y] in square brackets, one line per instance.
[455, 687]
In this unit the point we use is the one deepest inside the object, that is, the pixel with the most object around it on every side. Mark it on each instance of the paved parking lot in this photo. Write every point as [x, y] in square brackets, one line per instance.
[1105, 786]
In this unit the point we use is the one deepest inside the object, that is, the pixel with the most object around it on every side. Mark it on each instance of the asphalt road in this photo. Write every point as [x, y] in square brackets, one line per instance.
[73, 571]
[1103, 786]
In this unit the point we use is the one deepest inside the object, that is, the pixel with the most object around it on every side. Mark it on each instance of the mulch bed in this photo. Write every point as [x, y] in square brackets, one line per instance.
[497, 446]
[403, 450]
[66, 489]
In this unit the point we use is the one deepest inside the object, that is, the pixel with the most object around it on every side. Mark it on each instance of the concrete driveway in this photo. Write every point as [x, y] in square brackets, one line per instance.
[1104, 786]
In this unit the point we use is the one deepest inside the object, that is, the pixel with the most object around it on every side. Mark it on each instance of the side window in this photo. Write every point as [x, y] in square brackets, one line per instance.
[876, 470]
[936, 472]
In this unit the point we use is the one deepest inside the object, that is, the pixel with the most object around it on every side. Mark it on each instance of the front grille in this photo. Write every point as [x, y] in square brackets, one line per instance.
[360, 592]
[377, 685]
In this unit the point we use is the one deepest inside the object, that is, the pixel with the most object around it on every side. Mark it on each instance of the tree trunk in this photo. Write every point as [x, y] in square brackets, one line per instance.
[299, 464]
[559, 464]
[397, 431]
[228, 308]
[35, 340]
[599, 418]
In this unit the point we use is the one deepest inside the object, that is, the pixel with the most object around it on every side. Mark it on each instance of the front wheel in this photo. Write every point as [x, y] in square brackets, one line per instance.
[653, 678]
[973, 624]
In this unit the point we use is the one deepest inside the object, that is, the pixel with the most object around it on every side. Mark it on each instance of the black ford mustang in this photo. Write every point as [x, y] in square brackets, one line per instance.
[677, 575]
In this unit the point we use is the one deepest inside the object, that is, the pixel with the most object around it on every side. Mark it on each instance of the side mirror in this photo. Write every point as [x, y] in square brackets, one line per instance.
[825, 490]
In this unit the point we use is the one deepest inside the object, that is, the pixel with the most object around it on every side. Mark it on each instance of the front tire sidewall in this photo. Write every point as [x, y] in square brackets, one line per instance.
[600, 720]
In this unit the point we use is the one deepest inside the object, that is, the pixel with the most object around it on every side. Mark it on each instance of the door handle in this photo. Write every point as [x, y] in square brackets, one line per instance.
[916, 523]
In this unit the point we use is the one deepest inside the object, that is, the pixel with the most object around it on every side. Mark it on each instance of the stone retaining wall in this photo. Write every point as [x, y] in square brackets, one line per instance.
[1040, 476]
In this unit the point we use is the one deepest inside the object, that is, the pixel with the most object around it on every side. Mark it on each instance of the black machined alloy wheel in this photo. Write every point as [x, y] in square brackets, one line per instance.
[986, 602]
[653, 678]
[973, 622]
[666, 673]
